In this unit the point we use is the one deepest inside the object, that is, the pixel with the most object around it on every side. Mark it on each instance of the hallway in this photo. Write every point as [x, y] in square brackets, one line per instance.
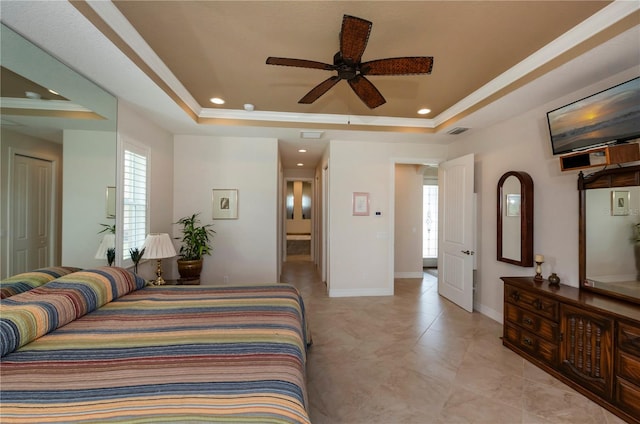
[417, 358]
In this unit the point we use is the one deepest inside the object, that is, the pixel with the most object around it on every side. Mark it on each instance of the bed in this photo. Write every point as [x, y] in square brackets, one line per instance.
[152, 354]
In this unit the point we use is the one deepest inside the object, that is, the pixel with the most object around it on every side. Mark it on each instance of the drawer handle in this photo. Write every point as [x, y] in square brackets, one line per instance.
[515, 296]
[527, 341]
[527, 321]
[538, 304]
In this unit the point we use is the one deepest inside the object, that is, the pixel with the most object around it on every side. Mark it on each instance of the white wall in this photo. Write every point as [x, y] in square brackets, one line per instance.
[408, 221]
[244, 250]
[361, 247]
[522, 144]
[89, 168]
[132, 127]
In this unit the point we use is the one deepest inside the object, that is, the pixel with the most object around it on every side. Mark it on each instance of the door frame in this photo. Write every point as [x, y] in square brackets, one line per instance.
[428, 161]
[53, 216]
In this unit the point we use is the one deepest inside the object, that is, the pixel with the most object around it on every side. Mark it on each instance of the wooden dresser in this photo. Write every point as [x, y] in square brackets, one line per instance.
[588, 341]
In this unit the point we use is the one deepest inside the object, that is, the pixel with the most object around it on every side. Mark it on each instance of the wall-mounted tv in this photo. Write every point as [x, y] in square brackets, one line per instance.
[608, 117]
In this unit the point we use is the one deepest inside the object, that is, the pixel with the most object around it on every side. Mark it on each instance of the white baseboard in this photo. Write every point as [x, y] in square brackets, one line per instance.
[491, 313]
[360, 292]
[408, 274]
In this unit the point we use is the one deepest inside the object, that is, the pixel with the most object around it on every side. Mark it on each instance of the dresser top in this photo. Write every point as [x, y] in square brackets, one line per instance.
[580, 298]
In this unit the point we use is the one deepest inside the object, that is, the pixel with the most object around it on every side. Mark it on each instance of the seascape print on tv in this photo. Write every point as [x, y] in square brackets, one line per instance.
[605, 117]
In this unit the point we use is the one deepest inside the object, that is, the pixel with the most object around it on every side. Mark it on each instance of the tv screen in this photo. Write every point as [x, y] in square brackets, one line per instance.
[610, 116]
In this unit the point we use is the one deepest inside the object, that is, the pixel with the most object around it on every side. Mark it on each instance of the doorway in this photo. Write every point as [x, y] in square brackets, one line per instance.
[430, 220]
[298, 220]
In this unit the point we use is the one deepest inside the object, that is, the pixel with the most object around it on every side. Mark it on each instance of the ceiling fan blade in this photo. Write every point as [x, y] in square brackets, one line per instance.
[319, 90]
[299, 63]
[398, 66]
[353, 38]
[367, 92]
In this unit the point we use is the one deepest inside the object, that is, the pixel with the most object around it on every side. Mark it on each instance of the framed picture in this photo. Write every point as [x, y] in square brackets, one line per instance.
[513, 205]
[225, 204]
[620, 202]
[111, 202]
[361, 204]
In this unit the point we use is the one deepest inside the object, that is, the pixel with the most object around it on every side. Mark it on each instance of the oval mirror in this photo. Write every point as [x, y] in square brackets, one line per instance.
[515, 218]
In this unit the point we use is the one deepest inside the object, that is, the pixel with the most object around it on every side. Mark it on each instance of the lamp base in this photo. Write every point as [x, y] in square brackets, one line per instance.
[159, 281]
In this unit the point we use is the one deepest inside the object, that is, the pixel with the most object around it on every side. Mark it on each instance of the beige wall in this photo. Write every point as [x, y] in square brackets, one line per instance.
[408, 221]
[244, 250]
[361, 248]
[522, 144]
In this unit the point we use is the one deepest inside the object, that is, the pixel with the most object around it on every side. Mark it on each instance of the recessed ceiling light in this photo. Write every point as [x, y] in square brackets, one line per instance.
[301, 164]
[423, 111]
[302, 150]
[217, 100]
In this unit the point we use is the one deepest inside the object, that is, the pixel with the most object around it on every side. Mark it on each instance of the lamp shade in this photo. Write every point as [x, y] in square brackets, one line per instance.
[158, 246]
[108, 242]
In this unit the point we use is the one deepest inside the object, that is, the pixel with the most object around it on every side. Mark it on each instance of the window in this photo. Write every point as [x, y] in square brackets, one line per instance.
[135, 198]
[430, 221]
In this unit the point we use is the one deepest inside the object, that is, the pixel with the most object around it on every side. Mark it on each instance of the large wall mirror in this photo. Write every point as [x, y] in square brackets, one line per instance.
[609, 247]
[515, 218]
[59, 132]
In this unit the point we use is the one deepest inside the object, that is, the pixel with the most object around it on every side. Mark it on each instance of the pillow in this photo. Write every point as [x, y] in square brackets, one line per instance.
[32, 314]
[26, 281]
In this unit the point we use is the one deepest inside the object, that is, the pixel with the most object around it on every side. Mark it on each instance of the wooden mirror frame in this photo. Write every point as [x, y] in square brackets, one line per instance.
[526, 218]
[607, 178]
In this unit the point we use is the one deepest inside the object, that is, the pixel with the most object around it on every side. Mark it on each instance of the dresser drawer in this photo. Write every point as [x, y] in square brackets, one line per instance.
[529, 321]
[629, 338]
[533, 345]
[628, 396]
[628, 366]
[533, 302]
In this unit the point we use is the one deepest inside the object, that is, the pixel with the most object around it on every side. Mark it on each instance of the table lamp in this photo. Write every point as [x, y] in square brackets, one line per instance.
[108, 242]
[158, 246]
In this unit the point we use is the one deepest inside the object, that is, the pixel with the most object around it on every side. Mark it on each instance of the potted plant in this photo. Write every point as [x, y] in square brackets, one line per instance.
[196, 242]
[136, 255]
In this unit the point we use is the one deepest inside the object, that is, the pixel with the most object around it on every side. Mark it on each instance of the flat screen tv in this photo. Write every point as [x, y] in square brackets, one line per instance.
[608, 117]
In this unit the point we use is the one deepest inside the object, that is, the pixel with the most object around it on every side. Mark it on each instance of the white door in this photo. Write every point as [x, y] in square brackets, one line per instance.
[455, 257]
[30, 214]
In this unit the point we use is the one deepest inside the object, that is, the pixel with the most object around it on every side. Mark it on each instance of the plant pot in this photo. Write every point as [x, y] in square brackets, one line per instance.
[190, 269]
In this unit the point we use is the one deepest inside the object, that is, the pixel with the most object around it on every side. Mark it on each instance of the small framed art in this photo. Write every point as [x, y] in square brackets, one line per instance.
[620, 202]
[225, 204]
[361, 204]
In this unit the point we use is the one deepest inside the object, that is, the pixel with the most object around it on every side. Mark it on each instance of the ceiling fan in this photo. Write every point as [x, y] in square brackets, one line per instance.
[353, 40]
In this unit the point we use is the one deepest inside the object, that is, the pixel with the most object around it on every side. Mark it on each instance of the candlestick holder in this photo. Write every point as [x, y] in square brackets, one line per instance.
[538, 277]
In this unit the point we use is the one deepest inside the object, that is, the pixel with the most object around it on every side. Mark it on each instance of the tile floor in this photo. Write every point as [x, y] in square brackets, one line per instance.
[417, 358]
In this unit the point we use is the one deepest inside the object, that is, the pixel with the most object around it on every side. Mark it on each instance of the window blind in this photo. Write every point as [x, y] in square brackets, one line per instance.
[134, 219]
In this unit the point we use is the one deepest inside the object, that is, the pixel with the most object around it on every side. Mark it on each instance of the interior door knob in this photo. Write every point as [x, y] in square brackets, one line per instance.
[468, 252]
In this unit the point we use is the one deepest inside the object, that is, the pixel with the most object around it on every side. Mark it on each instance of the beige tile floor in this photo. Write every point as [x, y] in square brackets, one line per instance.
[417, 358]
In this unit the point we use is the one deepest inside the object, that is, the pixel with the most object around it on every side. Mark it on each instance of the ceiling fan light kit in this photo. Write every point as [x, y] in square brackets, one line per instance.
[347, 63]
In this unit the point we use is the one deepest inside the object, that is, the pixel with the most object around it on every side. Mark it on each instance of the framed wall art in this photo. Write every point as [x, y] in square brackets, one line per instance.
[620, 202]
[225, 204]
[360, 204]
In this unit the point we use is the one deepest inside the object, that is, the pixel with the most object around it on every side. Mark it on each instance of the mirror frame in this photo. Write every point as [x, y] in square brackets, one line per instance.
[526, 218]
[607, 178]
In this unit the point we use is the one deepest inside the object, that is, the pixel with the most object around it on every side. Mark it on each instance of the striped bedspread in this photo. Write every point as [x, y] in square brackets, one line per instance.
[167, 354]
[26, 281]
